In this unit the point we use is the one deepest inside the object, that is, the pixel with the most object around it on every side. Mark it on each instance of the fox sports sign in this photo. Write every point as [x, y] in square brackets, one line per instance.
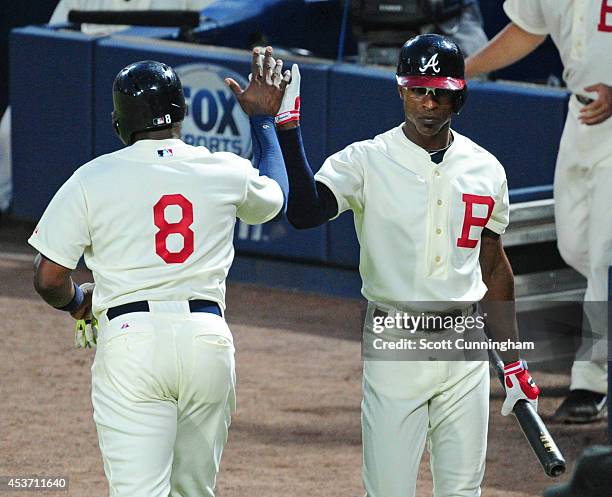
[215, 119]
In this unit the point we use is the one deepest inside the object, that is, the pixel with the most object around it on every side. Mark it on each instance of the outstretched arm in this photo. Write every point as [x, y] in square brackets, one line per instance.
[261, 101]
[270, 94]
[310, 203]
[510, 45]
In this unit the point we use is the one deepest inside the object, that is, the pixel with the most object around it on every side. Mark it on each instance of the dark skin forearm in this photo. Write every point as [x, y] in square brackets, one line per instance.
[510, 45]
[54, 284]
[289, 125]
[498, 303]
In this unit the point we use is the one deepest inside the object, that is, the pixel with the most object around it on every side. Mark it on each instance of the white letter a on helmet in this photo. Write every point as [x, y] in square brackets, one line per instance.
[433, 63]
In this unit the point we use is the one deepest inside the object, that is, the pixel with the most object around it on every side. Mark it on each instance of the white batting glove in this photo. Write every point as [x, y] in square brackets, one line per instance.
[290, 106]
[519, 385]
[86, 333]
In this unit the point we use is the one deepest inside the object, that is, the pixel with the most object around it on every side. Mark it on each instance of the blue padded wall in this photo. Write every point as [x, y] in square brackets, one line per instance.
[217, 121]
[12, 15]
[520, 125]
[51, 100]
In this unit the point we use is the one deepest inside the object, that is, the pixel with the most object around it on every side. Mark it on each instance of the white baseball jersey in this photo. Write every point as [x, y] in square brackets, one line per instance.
[581, 30]
[419, 223]
[155, 221]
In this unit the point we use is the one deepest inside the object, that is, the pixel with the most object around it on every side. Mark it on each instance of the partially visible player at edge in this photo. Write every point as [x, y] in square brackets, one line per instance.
[429, 206]
[155, 223]
[582, 31]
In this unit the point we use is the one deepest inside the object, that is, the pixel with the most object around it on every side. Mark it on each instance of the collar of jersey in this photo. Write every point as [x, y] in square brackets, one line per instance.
[403, 151]
[155, 144]
[140, 149]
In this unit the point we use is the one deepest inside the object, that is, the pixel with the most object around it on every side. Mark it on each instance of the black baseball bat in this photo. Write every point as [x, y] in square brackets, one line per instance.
[533, 428]
[158, 18]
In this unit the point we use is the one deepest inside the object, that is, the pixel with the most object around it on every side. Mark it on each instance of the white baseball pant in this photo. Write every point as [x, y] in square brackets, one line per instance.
[163, 390]
[407, 404]
[582, 190]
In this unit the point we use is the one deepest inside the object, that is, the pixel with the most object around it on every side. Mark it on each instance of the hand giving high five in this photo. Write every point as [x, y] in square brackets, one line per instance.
[264, 94]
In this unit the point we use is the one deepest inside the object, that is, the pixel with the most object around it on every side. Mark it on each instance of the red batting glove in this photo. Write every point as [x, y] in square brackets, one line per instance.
[519, 385]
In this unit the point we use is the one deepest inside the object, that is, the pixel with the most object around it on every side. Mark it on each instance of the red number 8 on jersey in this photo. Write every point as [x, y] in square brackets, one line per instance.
[166, 229]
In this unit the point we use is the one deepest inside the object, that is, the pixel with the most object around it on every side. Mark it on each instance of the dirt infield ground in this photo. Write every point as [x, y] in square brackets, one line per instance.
[296, 432]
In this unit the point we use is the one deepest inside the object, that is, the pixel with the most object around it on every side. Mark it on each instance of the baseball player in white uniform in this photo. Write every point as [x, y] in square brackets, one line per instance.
[582, 31]
[429, 207]
[155, 223]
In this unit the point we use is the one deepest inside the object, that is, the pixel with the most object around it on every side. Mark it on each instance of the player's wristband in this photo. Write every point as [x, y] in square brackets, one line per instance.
[516, 367]
[287, 117]
[76, 301]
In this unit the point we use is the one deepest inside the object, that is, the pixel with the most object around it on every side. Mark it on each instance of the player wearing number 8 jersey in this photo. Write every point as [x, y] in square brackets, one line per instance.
[172, 245]
[155, 223]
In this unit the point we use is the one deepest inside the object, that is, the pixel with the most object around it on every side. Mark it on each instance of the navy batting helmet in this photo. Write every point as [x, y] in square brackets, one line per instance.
[433, 61]
[147, 96]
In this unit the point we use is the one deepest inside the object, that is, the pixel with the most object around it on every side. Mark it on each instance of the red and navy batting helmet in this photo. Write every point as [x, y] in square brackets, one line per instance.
[433, 61]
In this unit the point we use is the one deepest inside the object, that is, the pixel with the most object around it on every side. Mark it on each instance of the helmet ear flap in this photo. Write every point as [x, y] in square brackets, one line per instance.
[460, 98]
[116, 127]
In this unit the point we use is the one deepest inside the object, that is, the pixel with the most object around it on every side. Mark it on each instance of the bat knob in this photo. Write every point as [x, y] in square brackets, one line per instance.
[555, 468]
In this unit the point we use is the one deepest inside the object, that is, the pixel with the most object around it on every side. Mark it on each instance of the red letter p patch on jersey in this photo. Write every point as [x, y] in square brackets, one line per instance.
[606, 9]
[469, 220]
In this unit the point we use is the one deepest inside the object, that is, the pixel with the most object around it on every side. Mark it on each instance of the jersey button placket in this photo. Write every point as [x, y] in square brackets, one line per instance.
[437, 242]
[578, 34]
